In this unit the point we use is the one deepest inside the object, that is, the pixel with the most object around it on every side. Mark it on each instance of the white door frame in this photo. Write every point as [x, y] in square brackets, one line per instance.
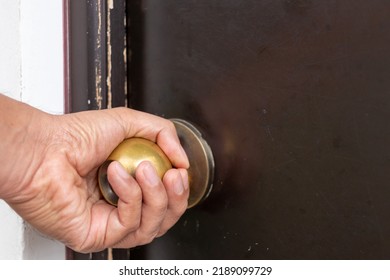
[32, 71]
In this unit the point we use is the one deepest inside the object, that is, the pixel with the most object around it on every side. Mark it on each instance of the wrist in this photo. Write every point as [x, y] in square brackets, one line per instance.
[22, 145]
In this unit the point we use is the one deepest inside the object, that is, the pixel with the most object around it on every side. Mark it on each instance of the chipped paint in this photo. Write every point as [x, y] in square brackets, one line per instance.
[98, 63]
[125, 57]
[110, 5]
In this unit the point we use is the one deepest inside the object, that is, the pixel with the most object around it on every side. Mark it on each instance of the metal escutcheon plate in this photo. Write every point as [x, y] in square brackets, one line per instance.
[201, 171]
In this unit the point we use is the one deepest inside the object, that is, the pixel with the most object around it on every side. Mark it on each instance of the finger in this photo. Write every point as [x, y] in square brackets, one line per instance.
[177, 187]
[155, 202]
[126, 217]
[165, 135]
[169, 142]
[156, 129]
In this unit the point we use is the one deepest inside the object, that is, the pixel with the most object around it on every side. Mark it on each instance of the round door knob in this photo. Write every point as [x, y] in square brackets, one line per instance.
[131, 152]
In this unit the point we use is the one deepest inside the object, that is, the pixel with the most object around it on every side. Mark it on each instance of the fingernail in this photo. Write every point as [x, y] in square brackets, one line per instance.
[184, 176]
[151, 174]
[178, 187]
[121, 171]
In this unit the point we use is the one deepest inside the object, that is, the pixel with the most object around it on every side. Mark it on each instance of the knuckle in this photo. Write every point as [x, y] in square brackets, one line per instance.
[146, 239]
[135, 225]
[161, 232]
[158, 203]
[160, 206]
[170, 126]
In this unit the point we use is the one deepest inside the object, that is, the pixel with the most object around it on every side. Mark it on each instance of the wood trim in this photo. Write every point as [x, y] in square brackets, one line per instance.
[95, 68]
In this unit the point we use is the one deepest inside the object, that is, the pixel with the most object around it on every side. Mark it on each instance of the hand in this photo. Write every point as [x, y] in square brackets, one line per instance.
[58, 193]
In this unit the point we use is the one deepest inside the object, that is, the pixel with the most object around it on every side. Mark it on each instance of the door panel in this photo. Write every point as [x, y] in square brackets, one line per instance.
[293, 97]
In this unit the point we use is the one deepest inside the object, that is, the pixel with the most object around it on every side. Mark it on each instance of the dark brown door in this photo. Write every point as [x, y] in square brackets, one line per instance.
[294, 98]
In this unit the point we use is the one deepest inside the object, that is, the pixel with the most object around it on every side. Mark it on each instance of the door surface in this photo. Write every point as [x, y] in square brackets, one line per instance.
[293, 96]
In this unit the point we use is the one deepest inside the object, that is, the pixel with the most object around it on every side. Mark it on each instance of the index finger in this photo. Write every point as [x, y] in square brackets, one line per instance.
[156, 129]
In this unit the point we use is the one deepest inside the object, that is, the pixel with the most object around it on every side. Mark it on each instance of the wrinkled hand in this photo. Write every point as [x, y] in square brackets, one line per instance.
[59, 195]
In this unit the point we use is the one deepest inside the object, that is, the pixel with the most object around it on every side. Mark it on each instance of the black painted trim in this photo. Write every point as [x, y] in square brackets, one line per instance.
[89, 83]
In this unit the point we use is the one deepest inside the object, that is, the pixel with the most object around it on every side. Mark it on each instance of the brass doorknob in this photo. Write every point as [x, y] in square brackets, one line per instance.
[131, 152]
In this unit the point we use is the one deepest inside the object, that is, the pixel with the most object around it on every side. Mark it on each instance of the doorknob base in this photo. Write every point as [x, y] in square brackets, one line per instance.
[202, 165]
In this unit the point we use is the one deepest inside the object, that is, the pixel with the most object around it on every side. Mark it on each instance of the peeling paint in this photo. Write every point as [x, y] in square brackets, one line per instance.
[110, 5]
[98, 63]
[125, 57]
